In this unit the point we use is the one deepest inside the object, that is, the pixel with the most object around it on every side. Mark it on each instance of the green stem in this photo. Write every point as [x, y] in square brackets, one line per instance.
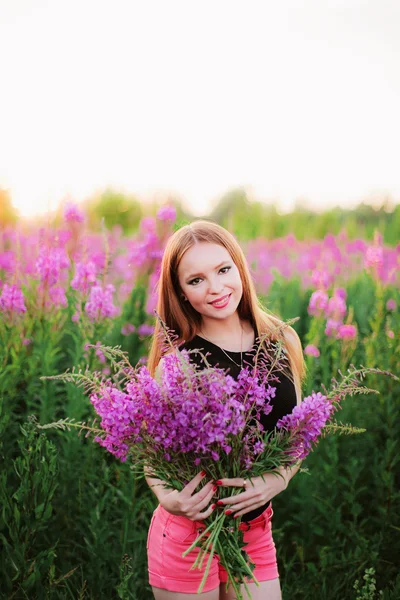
[234, 584]
[195, 543]
[207, 570]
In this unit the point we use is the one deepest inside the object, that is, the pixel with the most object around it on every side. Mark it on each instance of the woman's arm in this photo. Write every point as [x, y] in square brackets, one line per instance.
[156, 485]
[288, 472]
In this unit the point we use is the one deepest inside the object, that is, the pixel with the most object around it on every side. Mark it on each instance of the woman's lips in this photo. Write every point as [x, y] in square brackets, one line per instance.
[221, 302]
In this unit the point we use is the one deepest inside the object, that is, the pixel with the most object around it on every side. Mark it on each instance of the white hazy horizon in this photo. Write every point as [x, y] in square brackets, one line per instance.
[290, 101]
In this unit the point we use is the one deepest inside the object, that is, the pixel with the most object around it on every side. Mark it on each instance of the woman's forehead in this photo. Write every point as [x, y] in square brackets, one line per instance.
[203, 256]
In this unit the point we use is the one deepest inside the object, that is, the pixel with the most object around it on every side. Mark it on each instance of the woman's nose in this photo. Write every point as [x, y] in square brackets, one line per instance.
[215, 286]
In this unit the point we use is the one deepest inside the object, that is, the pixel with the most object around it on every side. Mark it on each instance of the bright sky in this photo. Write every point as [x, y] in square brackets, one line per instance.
[293, 99]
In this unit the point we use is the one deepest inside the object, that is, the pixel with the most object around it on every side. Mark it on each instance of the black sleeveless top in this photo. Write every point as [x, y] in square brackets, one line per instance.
[285, 395]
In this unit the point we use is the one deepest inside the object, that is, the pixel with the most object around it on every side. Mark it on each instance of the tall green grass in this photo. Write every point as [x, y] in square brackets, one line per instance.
[73, 522]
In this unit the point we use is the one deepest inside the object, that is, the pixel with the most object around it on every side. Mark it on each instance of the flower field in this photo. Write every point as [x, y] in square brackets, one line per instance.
[73, 521]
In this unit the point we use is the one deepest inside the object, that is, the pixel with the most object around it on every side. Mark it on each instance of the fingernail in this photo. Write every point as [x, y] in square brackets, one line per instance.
[219, 482]
[215, 487]
[220, 503]
[235, 516]
[228, 512]
[203, 473]
[213, 506]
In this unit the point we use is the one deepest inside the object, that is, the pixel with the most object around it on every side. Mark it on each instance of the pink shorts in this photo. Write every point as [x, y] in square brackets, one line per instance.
[169, 536]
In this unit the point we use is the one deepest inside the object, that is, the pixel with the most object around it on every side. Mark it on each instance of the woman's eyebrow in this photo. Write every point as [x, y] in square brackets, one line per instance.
[216, 268]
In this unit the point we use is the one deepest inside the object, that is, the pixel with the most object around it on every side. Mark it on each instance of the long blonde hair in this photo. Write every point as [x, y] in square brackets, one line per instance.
[185, 321]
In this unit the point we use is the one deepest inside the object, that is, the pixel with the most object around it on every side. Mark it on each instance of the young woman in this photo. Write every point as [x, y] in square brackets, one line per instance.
[206, 295]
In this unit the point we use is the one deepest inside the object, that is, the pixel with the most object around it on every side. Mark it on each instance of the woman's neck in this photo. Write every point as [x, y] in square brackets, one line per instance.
[231, 334]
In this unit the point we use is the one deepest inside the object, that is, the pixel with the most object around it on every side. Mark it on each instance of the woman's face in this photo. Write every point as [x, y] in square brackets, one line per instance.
[210, 280]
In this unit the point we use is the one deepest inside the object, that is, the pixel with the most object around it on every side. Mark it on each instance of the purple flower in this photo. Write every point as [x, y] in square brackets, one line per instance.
[167, 213]
[145, 329]
[332, 326]
[184, 410]
[258, 447]
[373, 257]
[311, 350]
[72, 214]
[76, 316]
[49, 264]
[391, 304]
[100, 303]
[99, 353]
[347, 332]
[318, 303]
[57, 296]
[8, 261]
[148, 225]
[306, 422]
[321, 279]
[127, 329]
[341, 292]
[337, 306]
[12, 299]
[85, 275]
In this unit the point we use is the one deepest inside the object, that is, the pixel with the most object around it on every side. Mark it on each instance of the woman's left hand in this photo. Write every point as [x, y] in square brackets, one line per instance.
[256, 493]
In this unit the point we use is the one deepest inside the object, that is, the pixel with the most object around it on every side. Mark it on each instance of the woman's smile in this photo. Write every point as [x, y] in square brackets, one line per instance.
[221, 302]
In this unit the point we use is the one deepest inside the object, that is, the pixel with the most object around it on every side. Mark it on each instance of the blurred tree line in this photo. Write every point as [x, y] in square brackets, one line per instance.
[252, 219]
[245, 218]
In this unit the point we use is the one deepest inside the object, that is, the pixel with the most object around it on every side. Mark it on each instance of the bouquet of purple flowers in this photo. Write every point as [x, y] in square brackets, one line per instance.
[186, 419]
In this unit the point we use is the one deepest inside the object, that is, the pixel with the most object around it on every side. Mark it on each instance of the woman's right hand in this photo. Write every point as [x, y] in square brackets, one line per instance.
[187, 504]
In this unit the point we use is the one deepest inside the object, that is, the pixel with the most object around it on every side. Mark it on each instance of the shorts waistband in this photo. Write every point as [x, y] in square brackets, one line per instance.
[259, 521]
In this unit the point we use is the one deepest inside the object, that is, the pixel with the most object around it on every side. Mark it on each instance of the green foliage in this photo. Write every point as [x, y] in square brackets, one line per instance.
[73, 521]
[116, 209]
[249, 219]
[368, 590]
[26, 494]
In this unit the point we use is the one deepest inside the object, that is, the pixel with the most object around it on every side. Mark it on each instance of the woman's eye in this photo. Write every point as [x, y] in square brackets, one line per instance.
[197, 280]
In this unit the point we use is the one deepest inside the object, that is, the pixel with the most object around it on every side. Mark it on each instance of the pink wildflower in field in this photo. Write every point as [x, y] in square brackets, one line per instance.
[167, 213]
[318, 303]
[76, 316]
[57, 296]
[85, 275]
[26, 341]
[127, 329]
[311, 350]
[341, 292]
[49, 264]
[73, 214]
[145, 330]
[390, 334]
[148, 225]
[144, 251]
[347, 332]
[391, 304]
[12, 299]
[373, 257]
[332, 326]
[337, 305]
[7, 261]
[99, 353]
[100, 303]
[321, 279]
